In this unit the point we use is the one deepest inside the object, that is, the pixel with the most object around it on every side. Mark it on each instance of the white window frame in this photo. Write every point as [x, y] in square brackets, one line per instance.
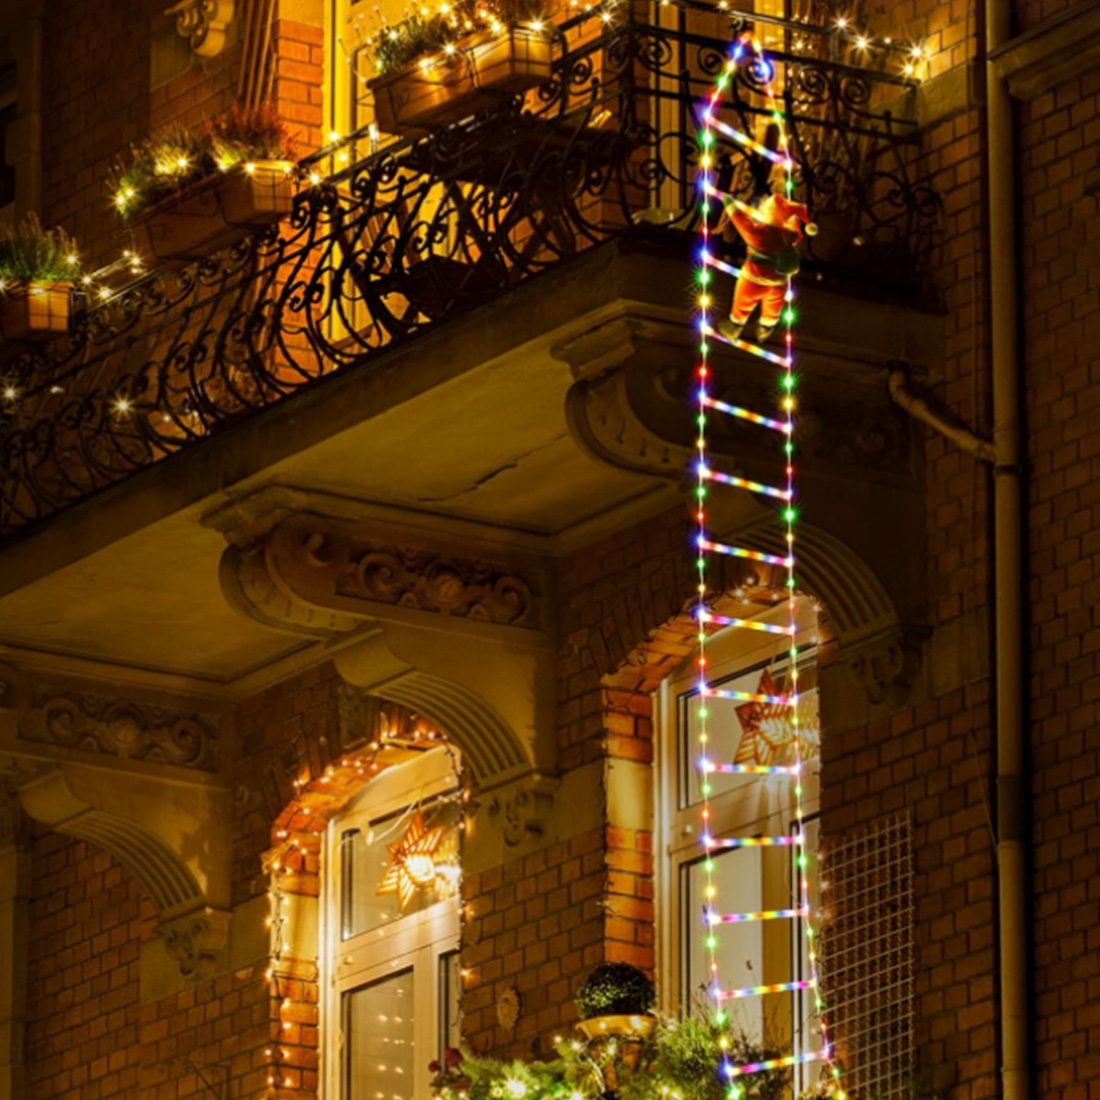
[418, 941]
[735, 806]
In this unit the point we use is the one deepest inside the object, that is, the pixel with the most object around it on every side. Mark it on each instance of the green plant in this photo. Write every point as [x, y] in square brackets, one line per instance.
[422, 33]
[684, 1061]
[615, 989]
[29, 253]
[256, 133]
[678, 1061]
[161, 165]
[170, 159]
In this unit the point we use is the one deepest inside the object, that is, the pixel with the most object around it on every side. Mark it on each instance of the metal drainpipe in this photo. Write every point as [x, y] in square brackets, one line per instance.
[1013, 787]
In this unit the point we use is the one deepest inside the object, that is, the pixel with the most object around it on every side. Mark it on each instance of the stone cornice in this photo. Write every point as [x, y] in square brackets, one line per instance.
[1057, 51]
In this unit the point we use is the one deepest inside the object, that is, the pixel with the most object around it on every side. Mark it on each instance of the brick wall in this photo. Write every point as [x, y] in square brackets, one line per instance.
[97, 102]
[1059, 135]
[89, 1035]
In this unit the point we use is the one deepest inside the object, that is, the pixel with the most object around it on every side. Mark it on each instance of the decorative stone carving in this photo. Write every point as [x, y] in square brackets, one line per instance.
[521, 811]
[325, 576]
[194, 939]
[886, 666]
[430, 582]
[70, 717]
[204, 23]
[136, 731]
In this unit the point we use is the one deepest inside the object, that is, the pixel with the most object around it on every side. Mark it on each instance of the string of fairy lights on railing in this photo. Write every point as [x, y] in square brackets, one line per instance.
[102, 287]
[748, 47]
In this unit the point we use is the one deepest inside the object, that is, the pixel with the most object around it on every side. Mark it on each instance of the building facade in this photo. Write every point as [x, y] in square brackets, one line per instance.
[345, 628]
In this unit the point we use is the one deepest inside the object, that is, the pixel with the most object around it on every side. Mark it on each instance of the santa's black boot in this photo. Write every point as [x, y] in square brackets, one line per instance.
[730, 329]
[764, 332]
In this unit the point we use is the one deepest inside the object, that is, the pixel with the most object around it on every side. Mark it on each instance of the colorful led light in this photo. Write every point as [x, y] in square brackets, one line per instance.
[761, 990]
[705, 546]
[780, 1063]
[762, 914]
[740, 551]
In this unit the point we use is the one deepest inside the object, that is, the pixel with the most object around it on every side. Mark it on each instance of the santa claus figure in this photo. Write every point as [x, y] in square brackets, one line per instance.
[773, 233]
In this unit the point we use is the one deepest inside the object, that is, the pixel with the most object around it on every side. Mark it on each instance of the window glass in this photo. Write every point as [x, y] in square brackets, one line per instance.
[749, 732]
[737, 874]
[401, 864]
[748, 879]
[379, 1046]
[450, 1001]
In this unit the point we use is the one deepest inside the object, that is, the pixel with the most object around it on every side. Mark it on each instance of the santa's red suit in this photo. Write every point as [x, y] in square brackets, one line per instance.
[773, 234]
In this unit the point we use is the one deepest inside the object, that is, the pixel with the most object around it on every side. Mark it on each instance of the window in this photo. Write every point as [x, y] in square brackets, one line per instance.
[748, 879]
[392, 897]
[351, 105]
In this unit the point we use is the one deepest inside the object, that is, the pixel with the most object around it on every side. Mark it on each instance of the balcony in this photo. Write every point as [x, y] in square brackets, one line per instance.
[388, 243]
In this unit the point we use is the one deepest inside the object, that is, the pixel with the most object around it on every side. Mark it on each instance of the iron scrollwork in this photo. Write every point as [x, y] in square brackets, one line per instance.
[425, 228]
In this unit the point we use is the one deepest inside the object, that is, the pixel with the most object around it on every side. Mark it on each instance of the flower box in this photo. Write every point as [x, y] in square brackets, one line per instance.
[215, 213]
[34, 311]
[483, 68]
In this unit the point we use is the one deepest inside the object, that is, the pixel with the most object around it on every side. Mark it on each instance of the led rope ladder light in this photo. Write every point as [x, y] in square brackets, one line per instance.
[783, 425]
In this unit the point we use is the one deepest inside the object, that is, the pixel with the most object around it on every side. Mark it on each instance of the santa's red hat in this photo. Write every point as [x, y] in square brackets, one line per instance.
[788, 210]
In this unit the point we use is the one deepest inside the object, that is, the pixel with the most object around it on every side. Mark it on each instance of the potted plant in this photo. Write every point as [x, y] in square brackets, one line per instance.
[186, 195]
[37, 270]
[616, 1000]
[436, 69]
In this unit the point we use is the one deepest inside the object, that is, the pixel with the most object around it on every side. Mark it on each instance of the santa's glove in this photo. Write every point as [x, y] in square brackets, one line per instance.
[811, 229]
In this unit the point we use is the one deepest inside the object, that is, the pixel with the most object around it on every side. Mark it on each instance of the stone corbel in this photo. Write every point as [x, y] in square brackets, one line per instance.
[194, 939]
[144, 830]
[204, 23]
[522, 810]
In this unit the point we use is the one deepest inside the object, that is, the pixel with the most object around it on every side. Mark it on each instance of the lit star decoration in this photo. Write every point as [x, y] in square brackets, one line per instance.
[768, 732]
[412, 861]
[774, 726]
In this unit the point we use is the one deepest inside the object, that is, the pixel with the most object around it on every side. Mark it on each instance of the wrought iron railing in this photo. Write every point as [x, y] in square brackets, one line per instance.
[422, 229]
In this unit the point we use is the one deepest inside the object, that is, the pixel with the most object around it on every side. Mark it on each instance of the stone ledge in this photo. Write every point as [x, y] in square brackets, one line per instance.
[1057, 51]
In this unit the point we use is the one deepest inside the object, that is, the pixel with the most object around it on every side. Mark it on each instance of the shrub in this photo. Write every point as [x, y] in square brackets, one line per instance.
[160, 166]
[29, 253]
[615, 989]
[418, 35]
[169, 160]
[249, 134]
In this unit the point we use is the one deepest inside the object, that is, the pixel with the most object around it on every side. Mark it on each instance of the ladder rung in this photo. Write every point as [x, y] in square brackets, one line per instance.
[748, 696]
[763, 914]
[712, 261]
[741, 552]
[779, 1063]
[744, 345]
[746, 414]
[754, 769]
[750, 143]
[746, 624]
[708, 474]
[752, 841]
[762, 990]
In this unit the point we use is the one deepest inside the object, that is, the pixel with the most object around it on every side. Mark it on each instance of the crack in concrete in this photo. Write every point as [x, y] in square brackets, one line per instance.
[484, 479]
